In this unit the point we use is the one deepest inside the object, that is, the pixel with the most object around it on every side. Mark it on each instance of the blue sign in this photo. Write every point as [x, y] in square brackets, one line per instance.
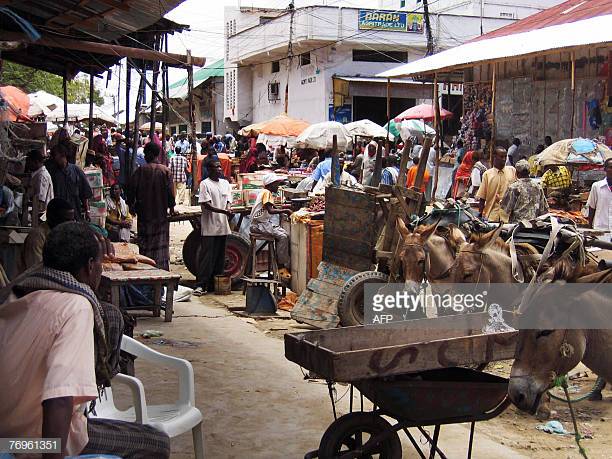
[342, 114]
[390, 21]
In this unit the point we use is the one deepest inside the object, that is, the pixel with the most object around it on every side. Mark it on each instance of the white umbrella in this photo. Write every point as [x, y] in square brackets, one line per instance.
[146, 126]
[414, 128]
[319, 136]
[43, 103]
[367, 128]
[575, 151]
[80, 112]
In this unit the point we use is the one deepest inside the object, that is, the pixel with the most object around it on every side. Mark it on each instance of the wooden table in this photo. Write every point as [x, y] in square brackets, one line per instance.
[158, 278]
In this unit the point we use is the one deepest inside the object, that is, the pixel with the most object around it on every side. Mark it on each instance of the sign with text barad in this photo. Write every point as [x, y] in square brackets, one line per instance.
[390, 21]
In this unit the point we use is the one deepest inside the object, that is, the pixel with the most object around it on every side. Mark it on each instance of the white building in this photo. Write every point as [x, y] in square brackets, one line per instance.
[338, 50]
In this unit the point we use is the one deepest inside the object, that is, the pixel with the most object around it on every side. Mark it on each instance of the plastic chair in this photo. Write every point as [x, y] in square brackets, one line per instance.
[171, 419]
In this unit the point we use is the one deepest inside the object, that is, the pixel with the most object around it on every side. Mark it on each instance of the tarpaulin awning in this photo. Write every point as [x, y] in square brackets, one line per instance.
[367, 128]
[80, 112]
[15, 104]
[556, 38]
[179, 89]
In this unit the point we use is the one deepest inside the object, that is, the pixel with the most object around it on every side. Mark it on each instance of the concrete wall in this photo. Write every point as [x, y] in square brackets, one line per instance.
[203, 112]
[519, 9]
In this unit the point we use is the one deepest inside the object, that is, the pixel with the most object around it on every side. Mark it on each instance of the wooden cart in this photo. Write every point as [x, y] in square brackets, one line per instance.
[413, 375]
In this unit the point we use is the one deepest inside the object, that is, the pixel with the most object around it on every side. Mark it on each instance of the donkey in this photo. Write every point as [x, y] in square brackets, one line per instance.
[427, 256]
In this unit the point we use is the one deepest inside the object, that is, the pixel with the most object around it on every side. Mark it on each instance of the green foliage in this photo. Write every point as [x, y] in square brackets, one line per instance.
[31, 80]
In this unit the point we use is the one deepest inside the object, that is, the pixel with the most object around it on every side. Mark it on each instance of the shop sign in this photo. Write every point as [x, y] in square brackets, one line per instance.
[390, 21]
[456, 89]
[309, 80]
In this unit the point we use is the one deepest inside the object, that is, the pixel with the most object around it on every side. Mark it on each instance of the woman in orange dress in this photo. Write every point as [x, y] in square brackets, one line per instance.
[462, 178]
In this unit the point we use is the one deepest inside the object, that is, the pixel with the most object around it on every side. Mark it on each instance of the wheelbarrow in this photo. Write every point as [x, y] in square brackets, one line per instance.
[429, 398]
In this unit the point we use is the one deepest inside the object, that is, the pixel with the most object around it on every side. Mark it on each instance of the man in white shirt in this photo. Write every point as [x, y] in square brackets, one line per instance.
[55, 345]
[41, 186]
[600, 202]
[215, 198]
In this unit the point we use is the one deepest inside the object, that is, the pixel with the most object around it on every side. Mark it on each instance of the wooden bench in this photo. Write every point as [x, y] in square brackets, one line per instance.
[157, 278]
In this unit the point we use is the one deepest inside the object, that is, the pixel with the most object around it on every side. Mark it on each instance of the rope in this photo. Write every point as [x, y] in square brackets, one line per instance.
[561, 381]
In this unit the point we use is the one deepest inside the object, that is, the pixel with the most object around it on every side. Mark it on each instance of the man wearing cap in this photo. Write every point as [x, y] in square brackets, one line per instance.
[524, 199]
[263, 223]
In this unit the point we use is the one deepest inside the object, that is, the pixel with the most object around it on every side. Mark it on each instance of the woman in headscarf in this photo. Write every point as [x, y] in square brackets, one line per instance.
[462, 178]
[249, 164]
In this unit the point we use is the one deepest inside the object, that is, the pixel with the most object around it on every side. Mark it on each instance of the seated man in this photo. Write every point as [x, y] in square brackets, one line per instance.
[262, 222]
[58, 211]
[556, 178]
[55, 357]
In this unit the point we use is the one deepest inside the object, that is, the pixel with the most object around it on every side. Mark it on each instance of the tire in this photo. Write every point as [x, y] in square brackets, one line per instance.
[597, 387]
[341, 436]
[236, 256]
[350, 303]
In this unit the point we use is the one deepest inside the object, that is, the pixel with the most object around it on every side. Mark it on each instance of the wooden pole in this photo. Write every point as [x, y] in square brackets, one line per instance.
[213, 101]
[493, 126]
[194, 152]
[438, 137]
[573, 93]
[418, 181]
[401, 179]
[388, 114]
[153, 116]
[128, 86]
[164, 98]
[335, 163]
[175, 60]
[141, 88]
[65, 90]
[91, 103]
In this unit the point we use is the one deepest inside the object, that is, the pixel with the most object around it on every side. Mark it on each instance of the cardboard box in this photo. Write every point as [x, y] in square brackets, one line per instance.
[250, 196]
[237, 198]
[94, 177]
[97, 209]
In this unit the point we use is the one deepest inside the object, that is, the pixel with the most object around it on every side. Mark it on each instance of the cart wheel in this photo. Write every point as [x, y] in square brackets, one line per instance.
[350, 303]
[236, 256]
[351, 431]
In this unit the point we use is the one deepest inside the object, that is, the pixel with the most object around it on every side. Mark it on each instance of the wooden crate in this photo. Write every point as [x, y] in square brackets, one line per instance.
[356, 353]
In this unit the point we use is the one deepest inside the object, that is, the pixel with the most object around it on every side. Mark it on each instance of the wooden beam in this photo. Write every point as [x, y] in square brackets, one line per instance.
[493, 99]
[401, 179]
[172, 59]
[573, 55]
[438, 137]
[65, 94]
[91, 104]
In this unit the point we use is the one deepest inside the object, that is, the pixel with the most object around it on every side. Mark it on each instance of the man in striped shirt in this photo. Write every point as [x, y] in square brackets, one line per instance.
[178, 167]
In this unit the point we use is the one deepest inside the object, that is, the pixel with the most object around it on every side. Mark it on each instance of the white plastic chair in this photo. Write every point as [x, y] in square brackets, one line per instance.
[171, 419]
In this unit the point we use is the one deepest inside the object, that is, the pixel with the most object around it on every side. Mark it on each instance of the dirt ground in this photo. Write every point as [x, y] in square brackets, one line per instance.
[256, 404]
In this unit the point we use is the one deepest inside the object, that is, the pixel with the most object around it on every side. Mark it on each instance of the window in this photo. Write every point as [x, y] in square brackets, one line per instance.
[273, 91]
[369, 55]
[182, 128]
[173, 130]
[205, 126]
[275, 66]
[305, 59]
[402, 3]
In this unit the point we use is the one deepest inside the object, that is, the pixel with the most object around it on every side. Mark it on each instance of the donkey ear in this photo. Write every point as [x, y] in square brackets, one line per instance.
[429, 230]
[455, 236]
[486, 240]
[401, 227]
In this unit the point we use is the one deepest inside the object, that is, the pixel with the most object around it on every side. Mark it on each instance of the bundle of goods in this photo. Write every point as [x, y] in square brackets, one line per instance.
[248, 189]
[126, 258]
[317, 204]
[97, 204]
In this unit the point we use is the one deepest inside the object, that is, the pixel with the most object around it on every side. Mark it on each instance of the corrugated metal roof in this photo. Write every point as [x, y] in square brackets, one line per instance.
[587, 32]
[564, 13]
[178, 89]
[127, 22]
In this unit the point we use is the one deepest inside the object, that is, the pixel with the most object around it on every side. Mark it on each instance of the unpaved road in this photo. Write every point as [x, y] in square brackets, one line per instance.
[256, 404]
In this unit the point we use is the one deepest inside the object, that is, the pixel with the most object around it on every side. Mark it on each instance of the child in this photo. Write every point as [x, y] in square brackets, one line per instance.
[262, 221]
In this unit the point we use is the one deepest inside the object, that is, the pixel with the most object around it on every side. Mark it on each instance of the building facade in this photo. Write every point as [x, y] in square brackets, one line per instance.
[318, 62]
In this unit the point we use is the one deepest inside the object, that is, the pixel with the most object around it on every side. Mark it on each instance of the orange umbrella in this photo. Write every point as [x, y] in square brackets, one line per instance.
[17, 104]
[281, 125]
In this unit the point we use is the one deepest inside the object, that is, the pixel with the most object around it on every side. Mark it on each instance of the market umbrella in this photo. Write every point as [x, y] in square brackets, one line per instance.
[279, 126]
[424, 112]
[320, 136]
[17, 104]
[80, 112]
[575, 151]
[410, 128]
[367, 128]
[147, 126]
